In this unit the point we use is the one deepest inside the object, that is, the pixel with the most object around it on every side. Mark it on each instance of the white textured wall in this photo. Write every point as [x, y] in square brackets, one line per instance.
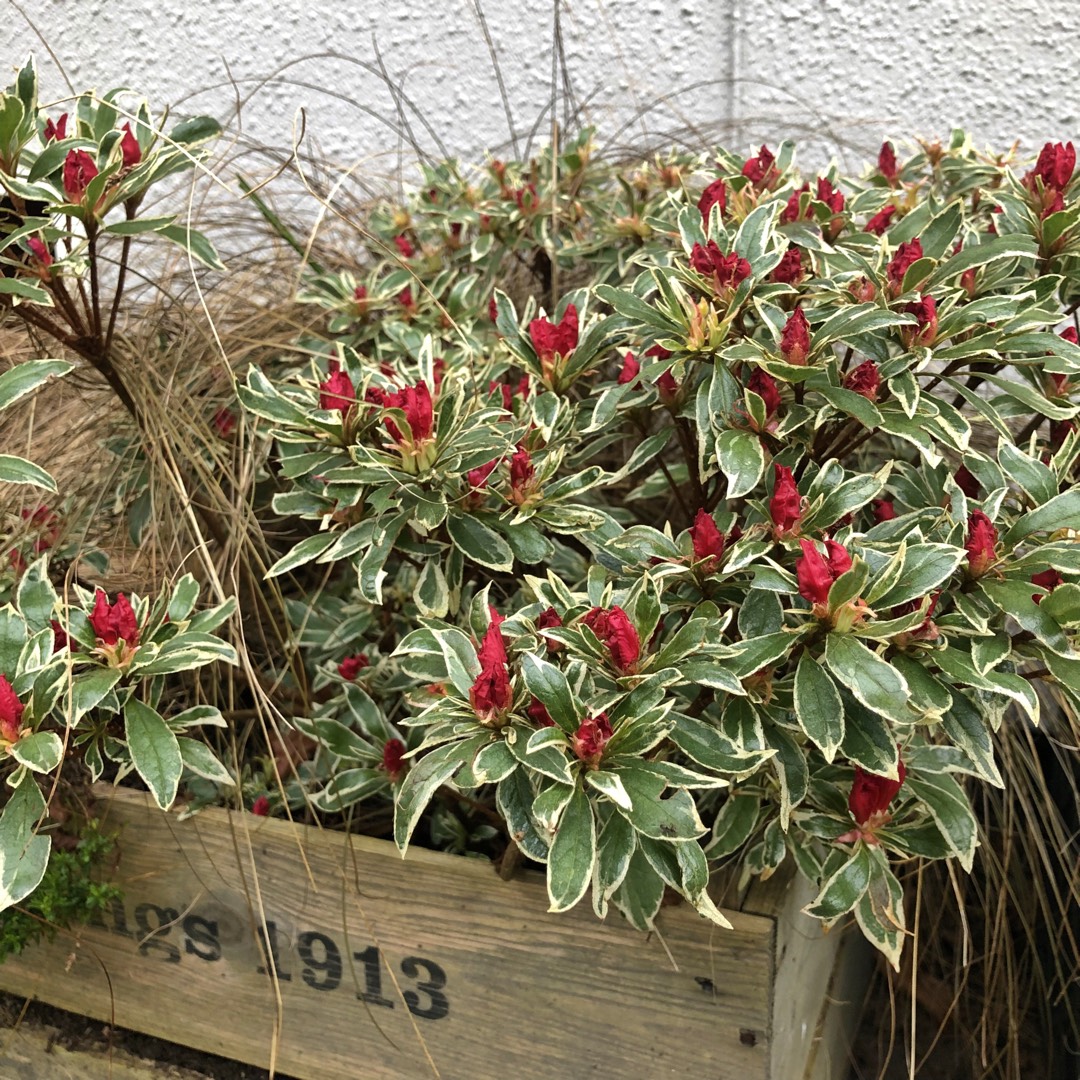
[841, 73]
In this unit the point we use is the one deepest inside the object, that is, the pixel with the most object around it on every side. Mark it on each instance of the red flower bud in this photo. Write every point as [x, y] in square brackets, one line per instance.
[879, 223]
[551, 340]
[547, 620]
[886, 162]
[393, 759]
[668, 388]
[40, 251]
[813, 573]
[614, 628]
[925, 311]
[871, 794]
[522, 475]
[714, 195]
[526, 198]
[1048, 580]
[883, 510]
[862, 290]
[351, 666]
[591, 739]
[360, 300]
[337, 392]
[405, 249]
[790, 269]
[478, 478]
[129, 148]
[659, 352]
[11, 711]
[707, 541]
[57, 131]
[907, 254]
[405, 299]
[261, 806]
[415, 402]
[764, 385]
[967, 483]
[790, 212]
[60, 636]
[726, 271]
[832, 197]
[630, 369]
[761, 170]
[79, 170]
[114, 622]
[980, 544]
[539, 714]
[785, 506]
[224, 421]
[864, 381]
[490, 695]
[1054, 167]
[795, 338]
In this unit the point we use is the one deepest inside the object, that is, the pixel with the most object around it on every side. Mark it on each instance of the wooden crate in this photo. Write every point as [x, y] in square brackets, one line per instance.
[328, 957]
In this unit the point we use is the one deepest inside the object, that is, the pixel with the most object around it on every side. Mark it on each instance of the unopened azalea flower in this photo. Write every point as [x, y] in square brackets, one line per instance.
[795, 338]
[879, 223]
[261, 806]
[60, 636]
[761, 170]
[493, 309]
[405, 248]
[129, 148]
[554, 342]
[714, 195]
[785, 506]
[538, 713]
[415, 402]
[707, 541]
[225, 421]
[864, 381]
[478, 481]
[548, 620]
[55, 132]
[790, 269]
[393, 759]
[1048, 580]
[725, 271]
[816, 573]
[591, 738]
[667, 386]
[42, 256]
[614, 628]
[522, 476]
[336, 392]
[967, 483]
[925, 311]
[907, 254]
[351, 666]
[11, 712]
[862, 290]
[980, 544]
[886, 163]
[1055, 166]
[883, 510]
[869, 802]
[764, 385]
[526, 198]
[490, 695]
[793, 210]
[630, 369]
[79, 169]
[831, 196]
[405, 299]
[114, 622]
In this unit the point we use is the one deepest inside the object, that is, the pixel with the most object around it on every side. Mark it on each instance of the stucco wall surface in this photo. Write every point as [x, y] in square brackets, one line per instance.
[373, 77]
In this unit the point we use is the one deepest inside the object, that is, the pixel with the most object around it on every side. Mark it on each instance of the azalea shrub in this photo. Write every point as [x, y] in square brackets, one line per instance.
[690, 512]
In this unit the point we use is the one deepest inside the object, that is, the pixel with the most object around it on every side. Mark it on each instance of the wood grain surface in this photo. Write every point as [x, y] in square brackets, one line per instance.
[431, 966]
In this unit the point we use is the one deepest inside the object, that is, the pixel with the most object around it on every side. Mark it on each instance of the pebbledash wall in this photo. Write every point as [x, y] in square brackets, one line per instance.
[837, 74]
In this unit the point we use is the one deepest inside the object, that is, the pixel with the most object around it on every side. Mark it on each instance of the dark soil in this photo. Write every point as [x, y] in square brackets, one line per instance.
[79, 1033]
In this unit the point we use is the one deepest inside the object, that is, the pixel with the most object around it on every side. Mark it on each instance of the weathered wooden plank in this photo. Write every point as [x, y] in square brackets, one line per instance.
[389, 968]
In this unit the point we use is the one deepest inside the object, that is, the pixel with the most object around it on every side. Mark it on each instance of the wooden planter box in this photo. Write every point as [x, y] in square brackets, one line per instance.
[328, 957]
